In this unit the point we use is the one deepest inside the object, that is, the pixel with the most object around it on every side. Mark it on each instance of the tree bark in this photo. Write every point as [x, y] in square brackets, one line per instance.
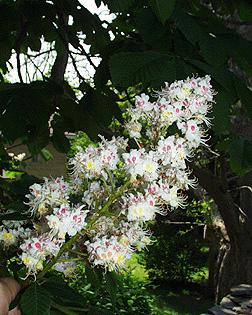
[234, 262]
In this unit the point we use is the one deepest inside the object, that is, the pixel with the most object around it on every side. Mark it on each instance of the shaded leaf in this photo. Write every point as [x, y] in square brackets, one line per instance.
[240, 151]
[150, 67]
[220, 74]
[240, 171]
[162, 8]
[152, 31]
[118, 5]
[100, 107]
[245, 95]
[212, 49]
[59, 289]
[244, 9]
[46, 155]
[15, 216]
[60, 141]
[187, 25]
[113, 283]
[223, 145]
[220, 112]
[25, 107]
[36, 300]
[77, 117]
[94, 275]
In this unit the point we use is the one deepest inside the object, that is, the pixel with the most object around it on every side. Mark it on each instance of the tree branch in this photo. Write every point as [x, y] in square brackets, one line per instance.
[19, 42]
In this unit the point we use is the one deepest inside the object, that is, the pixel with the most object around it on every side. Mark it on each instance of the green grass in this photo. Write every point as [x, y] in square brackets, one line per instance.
[179, 301]
[185, 299]
[137, 269]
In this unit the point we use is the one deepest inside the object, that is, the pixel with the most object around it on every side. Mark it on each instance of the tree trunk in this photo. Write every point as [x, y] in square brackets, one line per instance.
[234, 262]
[234, 266]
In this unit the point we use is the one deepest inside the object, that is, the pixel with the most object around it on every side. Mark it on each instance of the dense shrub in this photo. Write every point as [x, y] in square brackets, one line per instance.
[122, 296]
[175, 255]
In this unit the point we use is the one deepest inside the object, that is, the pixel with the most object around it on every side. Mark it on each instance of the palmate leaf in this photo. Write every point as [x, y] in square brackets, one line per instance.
[60, 141]
[14, 216]
[25, 107]
[60, 290]
[212, 50]
[187, 25]
[36, 301]
[100, 107]
[77, 117]
[118, 5]
[240, 171]
[162, 8]
[151, 67]
[113, 283]
[245, 95]
[240, 151]
[221, 75]
[152, 31]
[94, 275]
[220, 112]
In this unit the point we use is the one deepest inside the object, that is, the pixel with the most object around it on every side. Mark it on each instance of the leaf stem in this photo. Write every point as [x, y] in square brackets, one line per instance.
[106, 185]
[111, 180]
[64, 309]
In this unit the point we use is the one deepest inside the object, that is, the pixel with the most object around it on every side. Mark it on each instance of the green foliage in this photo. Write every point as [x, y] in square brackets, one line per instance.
[151, 42]
[35, 301]
[129, 296]
[162, 9]
[176, 255]
[240, 152]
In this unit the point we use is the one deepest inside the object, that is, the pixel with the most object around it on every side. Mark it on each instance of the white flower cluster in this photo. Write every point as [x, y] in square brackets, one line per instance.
[120, 189]
[184, 103]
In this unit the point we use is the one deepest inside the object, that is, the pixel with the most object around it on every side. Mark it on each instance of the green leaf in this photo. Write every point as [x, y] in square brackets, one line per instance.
[59, 289]
[152, 31]
[223, 145]
[162, 8]
[187, 25]
[100, 107]
[240, 171]
[15, 216]
[60, 140]
[46, 155]
[36, 300]
[12, 174]
[111, 283]
[94, 275]
[150, 67]
[78, 116]
[25, 107]
[212, 49]
[240, 151]
[118, 5]
[17, 206]
[245, 95]
[220, 112]
[220, 74]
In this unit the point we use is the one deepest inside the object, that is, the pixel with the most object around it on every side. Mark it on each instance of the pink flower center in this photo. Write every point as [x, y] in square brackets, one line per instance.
[38, 245]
